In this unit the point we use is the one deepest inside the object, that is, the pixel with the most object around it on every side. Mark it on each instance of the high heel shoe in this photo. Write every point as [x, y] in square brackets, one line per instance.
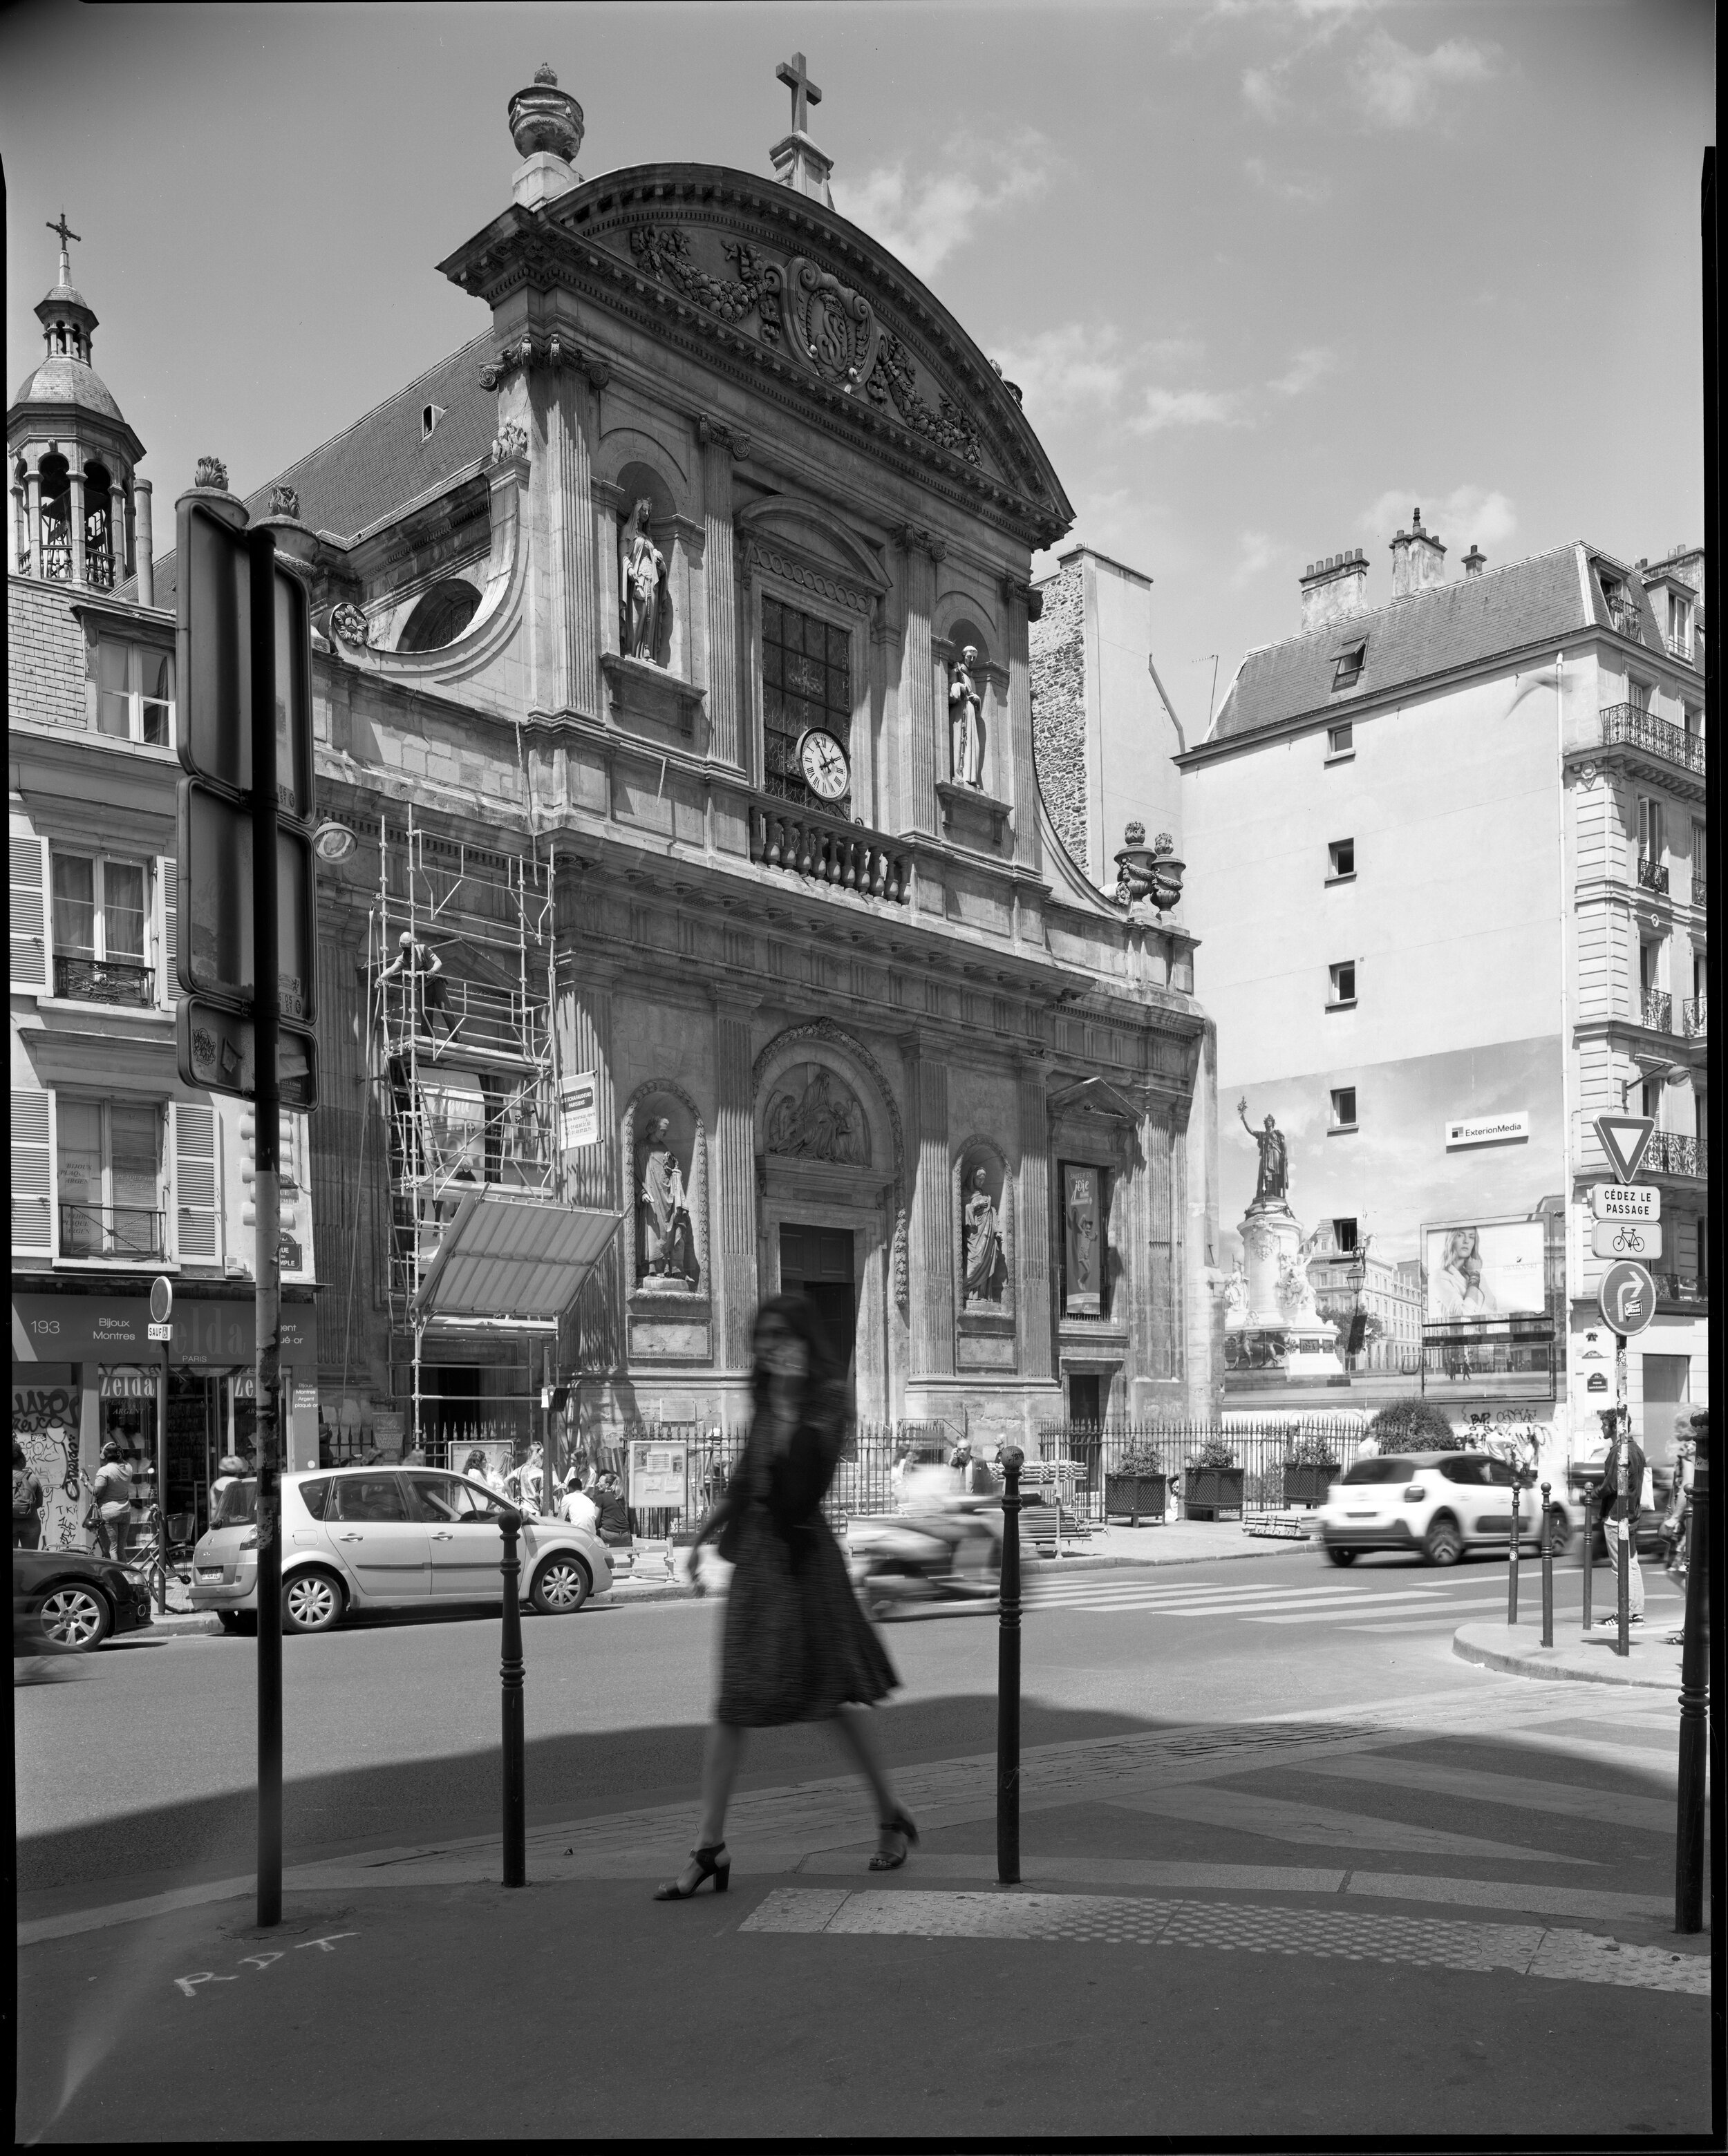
[711, 1863]
[902, 1825]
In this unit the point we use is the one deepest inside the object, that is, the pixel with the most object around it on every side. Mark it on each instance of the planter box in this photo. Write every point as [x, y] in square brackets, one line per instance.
[1128, 1496]
[1308, 1484]
[1213, 1493]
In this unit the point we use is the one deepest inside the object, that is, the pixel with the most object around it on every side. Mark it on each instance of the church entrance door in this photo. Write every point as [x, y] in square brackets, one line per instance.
[818, 1262]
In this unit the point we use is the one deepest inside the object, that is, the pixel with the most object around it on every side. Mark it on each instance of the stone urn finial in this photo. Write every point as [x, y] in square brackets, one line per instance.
[545, 118]
[211, 471]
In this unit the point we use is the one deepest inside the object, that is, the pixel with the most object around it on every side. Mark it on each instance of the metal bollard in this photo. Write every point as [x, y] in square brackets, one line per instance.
[1695, 1702]
[1512, 1561]
[1547, 1570]
[510, 1672]
[1008, 1679]
[1589, 1557]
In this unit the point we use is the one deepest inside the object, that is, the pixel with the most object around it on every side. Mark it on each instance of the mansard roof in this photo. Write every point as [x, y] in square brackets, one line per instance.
[796, 303]
[1427, 634]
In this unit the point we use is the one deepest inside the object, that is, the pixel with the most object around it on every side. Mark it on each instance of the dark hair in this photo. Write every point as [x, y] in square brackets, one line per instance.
[824, 1377]
[18, 1454]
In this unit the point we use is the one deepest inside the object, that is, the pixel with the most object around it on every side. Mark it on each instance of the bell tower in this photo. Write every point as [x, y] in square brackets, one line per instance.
[80, 514]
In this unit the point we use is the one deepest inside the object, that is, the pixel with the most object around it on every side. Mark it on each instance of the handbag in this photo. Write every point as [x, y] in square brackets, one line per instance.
[725, 1542]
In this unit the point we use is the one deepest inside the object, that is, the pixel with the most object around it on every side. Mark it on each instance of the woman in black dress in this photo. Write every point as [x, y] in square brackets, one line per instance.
[796, 1646]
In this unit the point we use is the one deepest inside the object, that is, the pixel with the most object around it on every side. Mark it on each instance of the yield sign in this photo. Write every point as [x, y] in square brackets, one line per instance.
[1624, 1139]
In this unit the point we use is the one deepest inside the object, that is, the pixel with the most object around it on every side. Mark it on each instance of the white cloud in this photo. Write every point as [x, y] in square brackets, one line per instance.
[1396, 87]
[1293, 186]
[1467, 516]
[1161, 408]
[924, 219]
[1264, 93]
[1254, 551]
[1306, 368]
[1066, 369]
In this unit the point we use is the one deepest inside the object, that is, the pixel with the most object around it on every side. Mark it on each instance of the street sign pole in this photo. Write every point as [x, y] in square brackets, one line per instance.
[261, 548]
[1622, 1431]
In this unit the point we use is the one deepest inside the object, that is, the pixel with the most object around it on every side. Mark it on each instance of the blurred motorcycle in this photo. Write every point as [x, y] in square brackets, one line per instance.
[949, 1550]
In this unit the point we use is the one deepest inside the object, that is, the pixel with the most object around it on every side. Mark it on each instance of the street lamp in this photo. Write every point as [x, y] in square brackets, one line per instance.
[1669, 1074]
[332, 841]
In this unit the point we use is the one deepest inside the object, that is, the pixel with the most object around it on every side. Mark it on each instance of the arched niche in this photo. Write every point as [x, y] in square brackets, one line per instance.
[991, 1294]
[654, 1099]
[439, 616]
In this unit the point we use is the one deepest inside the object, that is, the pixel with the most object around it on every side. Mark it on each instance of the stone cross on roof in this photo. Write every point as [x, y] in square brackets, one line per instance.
[796, 74]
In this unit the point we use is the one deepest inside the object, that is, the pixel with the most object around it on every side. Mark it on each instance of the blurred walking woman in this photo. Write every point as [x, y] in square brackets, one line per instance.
[796, 1646]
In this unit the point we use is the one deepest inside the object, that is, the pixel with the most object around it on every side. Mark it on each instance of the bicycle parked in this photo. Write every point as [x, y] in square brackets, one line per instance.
[157, 1560]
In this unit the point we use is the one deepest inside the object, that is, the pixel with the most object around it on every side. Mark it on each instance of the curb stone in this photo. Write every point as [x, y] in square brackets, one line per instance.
[1477, 1643]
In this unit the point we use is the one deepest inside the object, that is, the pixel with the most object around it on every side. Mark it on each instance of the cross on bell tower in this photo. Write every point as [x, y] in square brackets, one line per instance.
[66, 233]
[798, 164]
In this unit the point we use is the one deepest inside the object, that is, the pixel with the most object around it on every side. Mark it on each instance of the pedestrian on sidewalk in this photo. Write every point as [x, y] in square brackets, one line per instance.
[579, 1508]
[796, 1647]
[27, 1499]
[113, 1513]
[1625, 1472]
[615, 1529]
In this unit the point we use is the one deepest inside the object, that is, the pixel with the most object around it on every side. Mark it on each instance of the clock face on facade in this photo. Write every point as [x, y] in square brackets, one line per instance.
[823, 761]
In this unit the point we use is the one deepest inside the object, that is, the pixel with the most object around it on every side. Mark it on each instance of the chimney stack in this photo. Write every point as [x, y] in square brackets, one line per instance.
[1333, 588]
[1475, 562]
[1418, 559]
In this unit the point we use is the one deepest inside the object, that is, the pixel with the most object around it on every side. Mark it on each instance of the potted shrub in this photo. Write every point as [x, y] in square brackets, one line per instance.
[1137, 1485]
[1311, 1466]
[1213, 1487]
[1414, 1425]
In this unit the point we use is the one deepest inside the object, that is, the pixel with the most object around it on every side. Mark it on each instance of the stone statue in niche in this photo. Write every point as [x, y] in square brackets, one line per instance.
[817, 1120]
[965, 721]
[985, 1272]
[645, 598]
[666, 1258]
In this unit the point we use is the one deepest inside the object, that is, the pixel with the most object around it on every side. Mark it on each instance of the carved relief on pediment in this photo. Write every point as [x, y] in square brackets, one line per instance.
[815, 1115]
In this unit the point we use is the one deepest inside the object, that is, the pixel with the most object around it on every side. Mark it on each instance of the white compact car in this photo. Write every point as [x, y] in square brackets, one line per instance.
[386, 1538]
[1439, 1504]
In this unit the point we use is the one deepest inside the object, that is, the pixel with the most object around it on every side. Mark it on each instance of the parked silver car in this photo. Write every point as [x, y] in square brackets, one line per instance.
[386, 1538]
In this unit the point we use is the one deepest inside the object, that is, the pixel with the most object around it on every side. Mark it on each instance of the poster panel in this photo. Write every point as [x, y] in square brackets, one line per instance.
[1496, 1268]
[656, 1476]
[1083, 1240]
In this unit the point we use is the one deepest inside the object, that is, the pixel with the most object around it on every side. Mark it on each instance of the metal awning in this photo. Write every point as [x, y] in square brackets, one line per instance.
[507, 1255]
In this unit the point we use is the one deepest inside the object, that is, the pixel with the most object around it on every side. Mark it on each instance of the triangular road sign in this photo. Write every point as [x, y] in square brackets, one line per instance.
[1625, 1140]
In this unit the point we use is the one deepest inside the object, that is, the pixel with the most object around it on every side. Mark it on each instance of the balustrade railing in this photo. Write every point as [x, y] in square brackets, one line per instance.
[1638, 729]
[98, 570]
[826, 849]
[1681, 647]
[1627, 619]
[1694, 1017]
[1651, 875]
[1672, 1152]
[105, 981]
[1658, 1010]
[110, 1231]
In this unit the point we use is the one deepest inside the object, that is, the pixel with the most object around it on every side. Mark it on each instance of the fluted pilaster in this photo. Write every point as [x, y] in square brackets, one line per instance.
[565, 591]
[1033, 1191]
[734, 1200]
[933, 1283]
[726, 742]
[1163, 1318]
[1028, 847]
[918, 727]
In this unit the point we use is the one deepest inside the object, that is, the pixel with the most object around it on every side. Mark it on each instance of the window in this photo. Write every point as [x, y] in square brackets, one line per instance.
[1343, 984]
[367, 1497]
[1347, 667]
[1343, 1232]
[100, 908]
[134, 693]
[314, 1497]
[1650, 831]
[1340, 742]
[1650, 1099]
[1343, 1116]
[806, 681]
[1638, 694]
[109, 1159]
[1699, 877]
[1380, 1468]
[431, 414]
[237, 1506]
[1341, 854]
[1680, 621]
[1649, 965]
[1703, 1255]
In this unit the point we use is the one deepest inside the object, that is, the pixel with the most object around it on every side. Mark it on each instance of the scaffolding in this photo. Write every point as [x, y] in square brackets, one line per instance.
[460, 982]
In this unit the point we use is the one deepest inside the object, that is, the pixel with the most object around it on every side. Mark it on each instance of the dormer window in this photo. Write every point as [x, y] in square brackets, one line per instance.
[1347, 667]
[430, 415]
[1623, 608]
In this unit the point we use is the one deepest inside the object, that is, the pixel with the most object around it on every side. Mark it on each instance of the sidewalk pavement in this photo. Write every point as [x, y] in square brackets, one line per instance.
[1575, 1656]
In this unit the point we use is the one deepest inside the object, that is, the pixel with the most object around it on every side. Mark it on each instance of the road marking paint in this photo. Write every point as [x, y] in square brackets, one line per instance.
[1113, 1919]
[1318, 1601]
[1608, 1807]
[1282, 1818]
[189, 1984]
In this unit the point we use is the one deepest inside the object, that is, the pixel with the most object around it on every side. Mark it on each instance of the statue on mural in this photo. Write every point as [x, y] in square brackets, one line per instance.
[981, 1242]
[821, 1122]
[668, 1246]
[642, 587]
[1235, 1297]
[1273, 1185]
[966, 722]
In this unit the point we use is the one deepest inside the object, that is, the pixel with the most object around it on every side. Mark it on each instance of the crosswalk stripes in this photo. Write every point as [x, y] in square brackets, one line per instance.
[1363, 1605]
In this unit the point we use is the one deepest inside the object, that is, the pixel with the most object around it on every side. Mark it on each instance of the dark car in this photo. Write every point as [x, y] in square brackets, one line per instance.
[66, 1598]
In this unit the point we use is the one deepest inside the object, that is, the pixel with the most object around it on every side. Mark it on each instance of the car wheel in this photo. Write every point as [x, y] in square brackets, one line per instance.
[561, 1585]
[312, 1602]
[78, 1617]
[1444, 1544]
[1560, 1531]
[1340, 1556]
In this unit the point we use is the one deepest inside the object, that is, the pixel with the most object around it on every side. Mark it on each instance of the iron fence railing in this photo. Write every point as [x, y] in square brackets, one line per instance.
[105, 981]
[110, 1231]
[1681, 647]
[1637, 729]
[1694, 1017]
[1282, 1460]
[1671, 1152]
[1651, 875]
[1658, 1009]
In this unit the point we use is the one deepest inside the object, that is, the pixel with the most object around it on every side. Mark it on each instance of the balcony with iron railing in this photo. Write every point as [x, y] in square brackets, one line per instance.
[1656, 1010]
[1672, 1152]
[111, 1231]
[1626, 725]
[1694, 1018]
[1681, 647]
[1651, 875]
[105, 981]
[828, 850]
[1625, 615]
[1700, 888]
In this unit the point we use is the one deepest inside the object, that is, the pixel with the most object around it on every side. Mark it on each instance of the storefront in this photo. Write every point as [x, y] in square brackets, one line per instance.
[84, 1370]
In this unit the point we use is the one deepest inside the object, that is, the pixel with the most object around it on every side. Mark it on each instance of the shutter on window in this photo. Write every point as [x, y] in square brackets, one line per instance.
[195, 1177]
[33, 1173]
[170, 889]
[29, 946]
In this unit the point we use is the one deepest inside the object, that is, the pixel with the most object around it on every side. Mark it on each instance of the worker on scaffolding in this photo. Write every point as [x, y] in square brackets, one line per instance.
[421, 968]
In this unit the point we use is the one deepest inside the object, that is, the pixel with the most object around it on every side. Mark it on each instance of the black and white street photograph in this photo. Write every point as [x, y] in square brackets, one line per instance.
[972, 1221]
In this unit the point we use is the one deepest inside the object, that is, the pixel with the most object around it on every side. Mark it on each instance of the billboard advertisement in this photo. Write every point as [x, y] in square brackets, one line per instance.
[1486, 1270]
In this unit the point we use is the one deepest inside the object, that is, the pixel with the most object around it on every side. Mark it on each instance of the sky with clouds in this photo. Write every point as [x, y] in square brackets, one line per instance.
[1270, 273]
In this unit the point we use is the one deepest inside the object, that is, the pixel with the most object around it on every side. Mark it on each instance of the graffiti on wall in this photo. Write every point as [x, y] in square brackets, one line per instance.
[44, 1421]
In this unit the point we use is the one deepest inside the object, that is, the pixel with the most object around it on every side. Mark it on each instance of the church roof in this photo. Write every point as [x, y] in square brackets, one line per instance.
[58, 380]
[1434, 632]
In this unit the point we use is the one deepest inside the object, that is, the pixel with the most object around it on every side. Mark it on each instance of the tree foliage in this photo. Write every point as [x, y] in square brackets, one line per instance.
[1415, 1425]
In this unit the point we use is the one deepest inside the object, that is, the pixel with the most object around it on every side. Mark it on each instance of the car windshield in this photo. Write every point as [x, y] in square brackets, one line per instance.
[1377, 1470]
[237, 1506]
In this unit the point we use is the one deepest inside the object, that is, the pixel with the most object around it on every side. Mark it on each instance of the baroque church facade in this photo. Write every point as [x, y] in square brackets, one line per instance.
[685, 612]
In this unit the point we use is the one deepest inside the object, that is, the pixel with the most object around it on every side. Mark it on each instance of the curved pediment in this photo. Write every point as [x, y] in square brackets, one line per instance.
[818, 534]
[750, 275]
